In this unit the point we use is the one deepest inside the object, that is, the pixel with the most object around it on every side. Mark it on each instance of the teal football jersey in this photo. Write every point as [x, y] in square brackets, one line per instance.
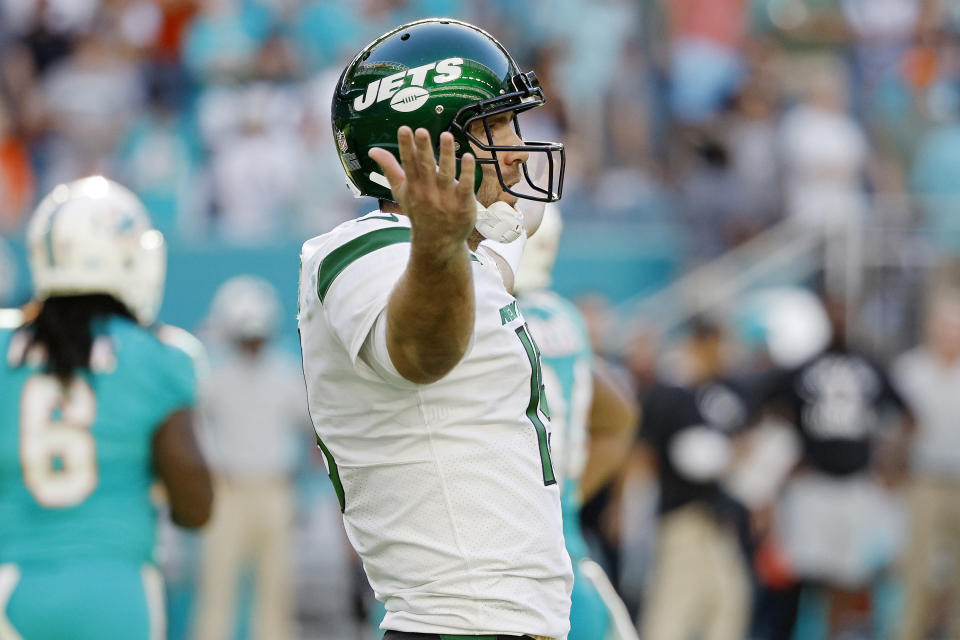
[75, 463]
[567, 362]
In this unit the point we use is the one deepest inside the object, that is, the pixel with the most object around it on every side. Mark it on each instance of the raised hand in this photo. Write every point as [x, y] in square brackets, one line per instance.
[442, 209]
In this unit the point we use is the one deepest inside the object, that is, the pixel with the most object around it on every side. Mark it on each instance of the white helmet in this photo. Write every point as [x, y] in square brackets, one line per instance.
[540, 254]
[245, 308]
[94, 236]
[792, 322]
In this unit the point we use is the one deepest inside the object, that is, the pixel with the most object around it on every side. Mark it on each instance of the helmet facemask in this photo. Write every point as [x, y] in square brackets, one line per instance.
[527, 94]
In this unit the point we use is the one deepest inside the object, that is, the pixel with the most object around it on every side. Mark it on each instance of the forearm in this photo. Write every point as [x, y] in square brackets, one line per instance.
[430, 314]
[606, 455]
[613, 420]
[180, 465]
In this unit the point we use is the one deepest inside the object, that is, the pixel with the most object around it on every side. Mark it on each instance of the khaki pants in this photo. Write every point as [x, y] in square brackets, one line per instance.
[699, 583]
[934, 528]
[252, 522]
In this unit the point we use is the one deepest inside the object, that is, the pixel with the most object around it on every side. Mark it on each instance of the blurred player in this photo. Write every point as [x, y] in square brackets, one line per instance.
[593, 426]
[424, 382]
[93, 407]
[928, 376]
[254, 404]
[700, 581]
[836, 523]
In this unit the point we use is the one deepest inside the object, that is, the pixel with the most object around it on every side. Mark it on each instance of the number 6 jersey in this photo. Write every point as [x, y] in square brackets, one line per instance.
[75, 461]
[447, 490]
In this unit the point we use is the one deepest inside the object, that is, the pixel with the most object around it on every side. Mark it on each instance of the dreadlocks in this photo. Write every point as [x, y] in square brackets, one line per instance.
[63, 328]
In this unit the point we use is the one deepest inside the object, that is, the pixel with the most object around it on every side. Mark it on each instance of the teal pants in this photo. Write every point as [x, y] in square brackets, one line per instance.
[589, 617]
[88, 600]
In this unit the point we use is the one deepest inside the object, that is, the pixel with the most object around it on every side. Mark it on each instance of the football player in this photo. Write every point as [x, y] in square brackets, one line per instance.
[593, 420]
[254, 406]
[424, 382]
[93, 408]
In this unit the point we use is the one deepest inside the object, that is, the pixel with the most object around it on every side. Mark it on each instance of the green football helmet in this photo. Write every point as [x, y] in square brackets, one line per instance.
[442, 75]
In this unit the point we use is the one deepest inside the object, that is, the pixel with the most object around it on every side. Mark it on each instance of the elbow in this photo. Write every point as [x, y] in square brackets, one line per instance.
[426, 367]
[193, 519]
[196, 512]
[426, 374]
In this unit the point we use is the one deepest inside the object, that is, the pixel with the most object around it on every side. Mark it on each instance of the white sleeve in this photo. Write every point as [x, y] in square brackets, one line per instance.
[360, 292]
[509, 251]
[374, 354]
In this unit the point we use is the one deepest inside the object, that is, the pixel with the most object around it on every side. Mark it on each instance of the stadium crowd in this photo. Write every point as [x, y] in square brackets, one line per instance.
[717, 118]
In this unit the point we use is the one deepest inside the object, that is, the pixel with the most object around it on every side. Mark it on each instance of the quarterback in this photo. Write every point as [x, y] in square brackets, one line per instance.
[424, 382]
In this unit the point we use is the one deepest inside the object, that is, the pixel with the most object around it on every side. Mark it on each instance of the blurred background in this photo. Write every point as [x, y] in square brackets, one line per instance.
[768, 169]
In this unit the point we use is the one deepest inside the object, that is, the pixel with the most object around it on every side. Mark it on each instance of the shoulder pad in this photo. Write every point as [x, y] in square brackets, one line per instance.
[186, 342]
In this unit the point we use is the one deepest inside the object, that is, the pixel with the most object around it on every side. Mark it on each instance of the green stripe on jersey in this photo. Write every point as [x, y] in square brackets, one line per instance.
[341, 257]
[334, 473]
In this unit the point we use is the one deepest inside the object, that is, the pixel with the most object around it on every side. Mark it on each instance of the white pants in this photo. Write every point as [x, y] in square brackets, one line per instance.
[252, 522]
[699, 585]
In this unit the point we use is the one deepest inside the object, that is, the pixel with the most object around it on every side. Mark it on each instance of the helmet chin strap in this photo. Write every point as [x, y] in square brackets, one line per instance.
[499, 222]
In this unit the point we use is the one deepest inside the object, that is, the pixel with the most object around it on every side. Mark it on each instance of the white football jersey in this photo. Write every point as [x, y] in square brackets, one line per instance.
[447, 489]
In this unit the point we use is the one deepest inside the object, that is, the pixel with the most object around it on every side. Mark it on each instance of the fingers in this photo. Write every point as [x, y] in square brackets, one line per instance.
[448, 161]
[467, 175]
[390, 167]
[418, 167]
[426, 163]
[408, 152]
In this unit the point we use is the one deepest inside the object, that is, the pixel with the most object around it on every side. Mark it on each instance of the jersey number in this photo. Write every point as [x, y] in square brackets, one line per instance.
[57, 450]
[538, 403]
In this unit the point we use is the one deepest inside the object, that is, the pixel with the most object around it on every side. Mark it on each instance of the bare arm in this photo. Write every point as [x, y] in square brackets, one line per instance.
[430, 313]
[614, 417]
[181, 467]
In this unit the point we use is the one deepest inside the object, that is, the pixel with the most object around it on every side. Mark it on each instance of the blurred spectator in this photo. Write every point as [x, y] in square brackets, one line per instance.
[933, 179]
[751, 137]
[223, 39]
[324, 32]
[929, 378]
[837, 526]
[709, 200]
[48, 28]
[323, 198]
[705, 58]
[90, 99]
[595, 308]
[802, 26]
[157, 162]
[630, 185]
[700, 581]
[825, 156]
[257, 153]
[175, 18]
[16, 175]
[585, 64]
[640, 359]
[257, 165]
[8, 274]
[882, 30]
[254, 402]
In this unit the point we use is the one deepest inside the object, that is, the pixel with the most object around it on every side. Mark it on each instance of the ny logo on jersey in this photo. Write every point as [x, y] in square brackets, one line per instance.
[509, 313]
[412, 97]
